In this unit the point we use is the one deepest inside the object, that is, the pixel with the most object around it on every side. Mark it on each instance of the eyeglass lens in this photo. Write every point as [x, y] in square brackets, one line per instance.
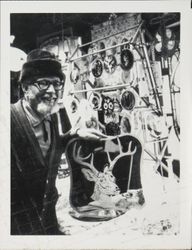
[44, 84]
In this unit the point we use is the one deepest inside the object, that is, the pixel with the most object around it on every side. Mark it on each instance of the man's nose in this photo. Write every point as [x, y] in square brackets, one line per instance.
[51, 89]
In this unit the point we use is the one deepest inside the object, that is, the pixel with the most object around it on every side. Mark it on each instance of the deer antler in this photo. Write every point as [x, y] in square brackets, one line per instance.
[82, 160]
[126, 153]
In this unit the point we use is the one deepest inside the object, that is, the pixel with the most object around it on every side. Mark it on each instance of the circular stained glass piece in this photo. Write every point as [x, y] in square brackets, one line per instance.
[128, 100]
[97, 68]
[127, 59]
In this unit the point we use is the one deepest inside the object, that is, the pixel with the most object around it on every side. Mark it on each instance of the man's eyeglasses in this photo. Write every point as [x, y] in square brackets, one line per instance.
[45, 84]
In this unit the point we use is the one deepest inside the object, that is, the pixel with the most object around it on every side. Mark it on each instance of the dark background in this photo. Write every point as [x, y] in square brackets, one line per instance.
[27, 27]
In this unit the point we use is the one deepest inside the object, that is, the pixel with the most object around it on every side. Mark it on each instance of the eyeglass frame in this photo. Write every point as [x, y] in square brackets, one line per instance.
[36, 83]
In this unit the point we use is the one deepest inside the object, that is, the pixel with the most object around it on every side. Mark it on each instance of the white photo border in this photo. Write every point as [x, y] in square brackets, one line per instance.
[181, 241]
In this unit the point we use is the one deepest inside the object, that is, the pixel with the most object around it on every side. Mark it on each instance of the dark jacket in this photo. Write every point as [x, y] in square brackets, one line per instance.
[33, 191]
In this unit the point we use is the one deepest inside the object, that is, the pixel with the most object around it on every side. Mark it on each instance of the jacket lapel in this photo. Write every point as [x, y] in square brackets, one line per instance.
[25, 125]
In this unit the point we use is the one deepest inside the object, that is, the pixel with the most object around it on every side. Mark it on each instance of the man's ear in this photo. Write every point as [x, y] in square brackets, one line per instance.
[24, 87]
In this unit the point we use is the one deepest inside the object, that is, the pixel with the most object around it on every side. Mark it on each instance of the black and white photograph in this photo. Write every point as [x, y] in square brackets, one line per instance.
[97, 124]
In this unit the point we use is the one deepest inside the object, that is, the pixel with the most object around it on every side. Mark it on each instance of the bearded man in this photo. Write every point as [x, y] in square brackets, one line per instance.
[36, 146]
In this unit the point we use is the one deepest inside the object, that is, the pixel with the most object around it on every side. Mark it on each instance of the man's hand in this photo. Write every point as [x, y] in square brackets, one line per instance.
[90, 133]
[86, 133]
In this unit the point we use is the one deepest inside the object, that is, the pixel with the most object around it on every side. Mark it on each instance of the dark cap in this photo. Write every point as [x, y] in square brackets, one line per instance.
[41, 63]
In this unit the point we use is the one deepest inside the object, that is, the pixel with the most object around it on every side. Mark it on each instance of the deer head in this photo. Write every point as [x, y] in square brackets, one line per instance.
[105, 185]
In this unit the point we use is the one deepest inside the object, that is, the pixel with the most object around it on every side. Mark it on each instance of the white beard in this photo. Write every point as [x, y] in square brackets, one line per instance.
[44, 108]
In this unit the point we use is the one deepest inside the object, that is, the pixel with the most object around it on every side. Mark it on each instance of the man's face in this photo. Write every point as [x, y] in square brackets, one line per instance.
[42, 100]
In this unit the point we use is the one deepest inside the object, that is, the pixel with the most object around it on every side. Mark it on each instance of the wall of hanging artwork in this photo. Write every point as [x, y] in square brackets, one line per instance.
[130, 80]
